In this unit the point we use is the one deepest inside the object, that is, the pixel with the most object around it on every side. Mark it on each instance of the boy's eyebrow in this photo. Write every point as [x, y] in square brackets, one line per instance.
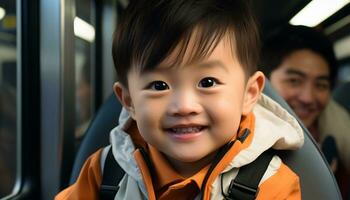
[212, 63]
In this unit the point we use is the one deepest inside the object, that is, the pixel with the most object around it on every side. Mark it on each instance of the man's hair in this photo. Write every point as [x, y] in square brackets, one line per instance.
[150, 30]
[288, 39]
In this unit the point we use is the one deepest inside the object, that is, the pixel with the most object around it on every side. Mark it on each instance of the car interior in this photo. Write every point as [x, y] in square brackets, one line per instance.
[57, 108]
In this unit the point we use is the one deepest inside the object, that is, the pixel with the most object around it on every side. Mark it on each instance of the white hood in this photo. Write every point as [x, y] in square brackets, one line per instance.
[274, 127]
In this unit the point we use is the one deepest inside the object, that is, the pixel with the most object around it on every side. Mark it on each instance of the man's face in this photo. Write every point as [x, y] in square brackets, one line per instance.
[302, 80]
[189, 111]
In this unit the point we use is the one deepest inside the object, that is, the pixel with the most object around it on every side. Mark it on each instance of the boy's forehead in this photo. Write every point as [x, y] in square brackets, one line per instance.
[191, 52]
[202, 64]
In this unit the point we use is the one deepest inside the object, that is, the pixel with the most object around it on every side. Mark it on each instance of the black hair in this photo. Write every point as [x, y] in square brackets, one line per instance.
[288, 39]
[150, 30]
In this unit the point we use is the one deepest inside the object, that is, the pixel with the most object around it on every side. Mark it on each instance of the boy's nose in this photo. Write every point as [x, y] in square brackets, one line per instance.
[184, 103]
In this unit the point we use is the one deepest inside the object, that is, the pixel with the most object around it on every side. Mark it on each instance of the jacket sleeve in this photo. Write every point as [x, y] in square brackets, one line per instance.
[284, 184]
[88, 183]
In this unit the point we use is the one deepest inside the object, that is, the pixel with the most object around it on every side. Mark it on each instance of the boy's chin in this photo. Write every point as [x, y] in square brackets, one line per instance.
[194, 157]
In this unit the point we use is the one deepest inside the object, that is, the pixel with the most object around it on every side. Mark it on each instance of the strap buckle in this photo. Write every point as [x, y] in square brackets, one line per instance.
[239, 191]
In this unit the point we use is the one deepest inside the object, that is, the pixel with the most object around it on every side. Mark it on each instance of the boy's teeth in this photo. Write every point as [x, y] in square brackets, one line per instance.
[186, 130]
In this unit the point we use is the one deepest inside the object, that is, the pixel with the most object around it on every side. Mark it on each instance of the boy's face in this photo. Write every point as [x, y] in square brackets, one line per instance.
[189, 111]
[303, 81]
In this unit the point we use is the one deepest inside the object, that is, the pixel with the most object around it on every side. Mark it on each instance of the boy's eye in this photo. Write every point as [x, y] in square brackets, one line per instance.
[158, 85]
[207, 82]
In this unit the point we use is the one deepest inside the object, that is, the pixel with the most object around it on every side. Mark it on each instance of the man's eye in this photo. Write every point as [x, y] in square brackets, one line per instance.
[207, 82]
[293, 81]
[158, 85]
[323, 86]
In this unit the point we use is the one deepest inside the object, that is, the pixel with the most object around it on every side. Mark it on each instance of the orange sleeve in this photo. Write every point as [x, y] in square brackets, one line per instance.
[282, 185]
[88, 183]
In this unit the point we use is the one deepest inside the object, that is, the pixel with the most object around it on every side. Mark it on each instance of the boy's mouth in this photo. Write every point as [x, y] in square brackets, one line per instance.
[186, 133]
[186, 130]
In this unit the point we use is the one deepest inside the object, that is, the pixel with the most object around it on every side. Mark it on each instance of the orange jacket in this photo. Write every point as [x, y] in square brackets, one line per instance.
[278, 182]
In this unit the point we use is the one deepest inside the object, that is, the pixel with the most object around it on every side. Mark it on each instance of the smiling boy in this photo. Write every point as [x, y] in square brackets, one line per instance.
[194, 113]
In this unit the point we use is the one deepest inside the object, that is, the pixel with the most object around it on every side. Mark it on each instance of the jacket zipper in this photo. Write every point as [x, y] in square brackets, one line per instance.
[223, 150]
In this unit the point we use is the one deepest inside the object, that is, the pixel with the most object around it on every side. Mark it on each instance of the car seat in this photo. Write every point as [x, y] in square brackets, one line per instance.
[317, 180]
[97, 134]
[341, 95]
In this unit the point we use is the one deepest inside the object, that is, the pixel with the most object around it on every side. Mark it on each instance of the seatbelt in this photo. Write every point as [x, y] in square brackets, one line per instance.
[246, 184]
[243, 187]
[112, 174]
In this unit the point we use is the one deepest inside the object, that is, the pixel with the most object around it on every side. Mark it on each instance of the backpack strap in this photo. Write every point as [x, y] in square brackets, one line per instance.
[112, 174]
[246, 184]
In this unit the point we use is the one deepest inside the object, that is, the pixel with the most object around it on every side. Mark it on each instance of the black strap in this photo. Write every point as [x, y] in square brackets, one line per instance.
[245, 185]
[112, 174]
[221, 153]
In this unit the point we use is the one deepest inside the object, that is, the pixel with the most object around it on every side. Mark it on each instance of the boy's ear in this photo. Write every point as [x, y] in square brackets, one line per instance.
[254, 87]
[124, 97]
